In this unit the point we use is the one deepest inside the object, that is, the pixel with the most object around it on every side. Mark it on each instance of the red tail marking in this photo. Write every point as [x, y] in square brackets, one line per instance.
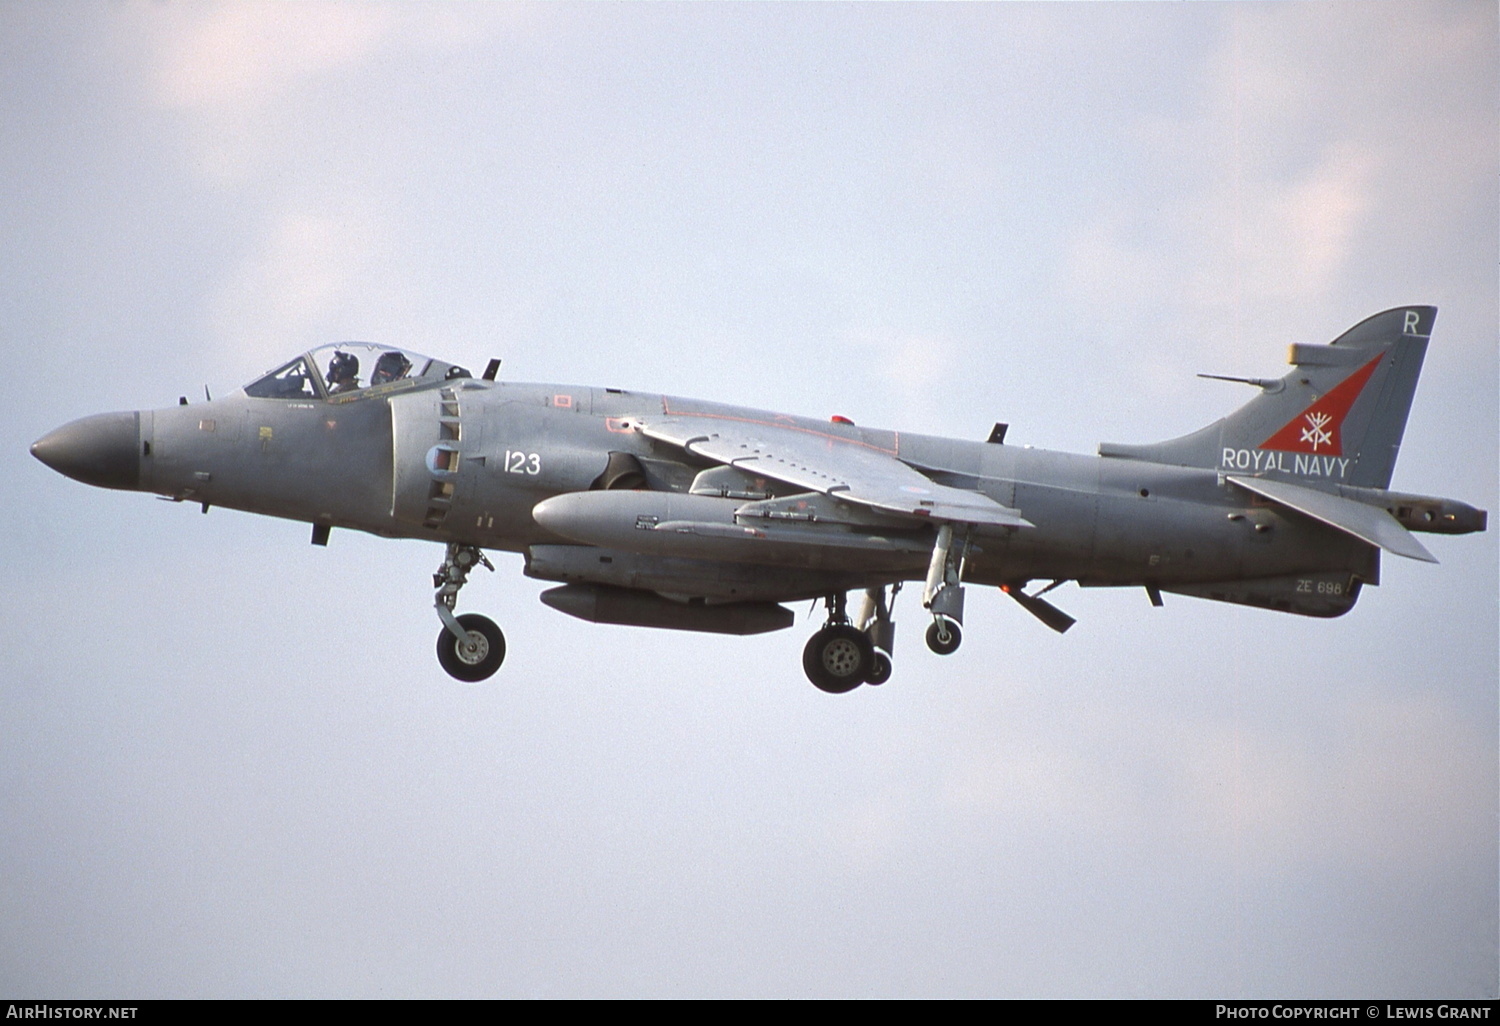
[1316, 429]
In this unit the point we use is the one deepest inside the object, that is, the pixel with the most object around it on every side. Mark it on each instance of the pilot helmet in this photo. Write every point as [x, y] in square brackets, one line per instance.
[343, 367]
[390, 367]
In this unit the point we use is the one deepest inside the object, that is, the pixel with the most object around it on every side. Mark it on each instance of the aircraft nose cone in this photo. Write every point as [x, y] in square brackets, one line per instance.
[102, 450]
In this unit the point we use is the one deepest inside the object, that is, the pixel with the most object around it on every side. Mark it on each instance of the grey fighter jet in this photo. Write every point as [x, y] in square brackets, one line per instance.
[656, 511]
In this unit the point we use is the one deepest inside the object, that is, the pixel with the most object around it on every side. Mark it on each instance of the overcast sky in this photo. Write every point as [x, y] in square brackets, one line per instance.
[229, 764]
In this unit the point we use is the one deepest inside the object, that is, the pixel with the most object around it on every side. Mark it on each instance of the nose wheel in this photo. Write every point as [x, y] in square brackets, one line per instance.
[470, 647]
[478, 655]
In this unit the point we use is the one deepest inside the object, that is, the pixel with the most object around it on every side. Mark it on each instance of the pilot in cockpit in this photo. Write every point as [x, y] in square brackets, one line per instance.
[343, 373]
[391, 366]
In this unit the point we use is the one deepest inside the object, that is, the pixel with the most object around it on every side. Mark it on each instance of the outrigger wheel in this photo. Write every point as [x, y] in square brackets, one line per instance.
[943, 637]
[838, 659]
[479, 655]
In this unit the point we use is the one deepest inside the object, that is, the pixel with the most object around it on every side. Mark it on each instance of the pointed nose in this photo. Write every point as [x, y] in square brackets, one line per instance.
[103, 450]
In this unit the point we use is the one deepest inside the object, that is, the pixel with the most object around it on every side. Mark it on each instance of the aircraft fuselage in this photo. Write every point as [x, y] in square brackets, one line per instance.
[1099, 521]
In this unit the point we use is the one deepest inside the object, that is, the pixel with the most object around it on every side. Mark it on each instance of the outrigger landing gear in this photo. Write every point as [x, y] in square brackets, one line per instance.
[470, 647]
[943, 595]
[844, 655]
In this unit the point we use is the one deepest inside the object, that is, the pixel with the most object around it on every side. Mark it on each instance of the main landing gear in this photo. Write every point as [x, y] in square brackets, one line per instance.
[844, 655]
[470, 647]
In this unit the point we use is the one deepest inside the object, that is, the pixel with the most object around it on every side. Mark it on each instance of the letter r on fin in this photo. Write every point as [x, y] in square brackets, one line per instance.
[1410, 326]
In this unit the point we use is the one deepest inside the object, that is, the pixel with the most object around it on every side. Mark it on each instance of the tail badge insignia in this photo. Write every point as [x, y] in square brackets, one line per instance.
[1315, 432]
[1316, 429]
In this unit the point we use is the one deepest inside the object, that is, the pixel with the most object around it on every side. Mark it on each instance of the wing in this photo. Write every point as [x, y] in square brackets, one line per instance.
[840, 468]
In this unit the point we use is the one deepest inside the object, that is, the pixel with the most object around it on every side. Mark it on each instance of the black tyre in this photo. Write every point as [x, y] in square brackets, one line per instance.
[837, 659]
[944, 637]
[880, 669]
[478, 657]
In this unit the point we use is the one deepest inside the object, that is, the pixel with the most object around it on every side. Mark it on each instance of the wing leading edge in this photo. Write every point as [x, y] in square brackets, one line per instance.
[839, 468]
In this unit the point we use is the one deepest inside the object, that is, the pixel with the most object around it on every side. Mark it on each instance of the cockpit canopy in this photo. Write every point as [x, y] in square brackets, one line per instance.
[341, 371]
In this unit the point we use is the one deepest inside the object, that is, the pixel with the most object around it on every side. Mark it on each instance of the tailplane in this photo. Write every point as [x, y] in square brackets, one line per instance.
[1338, 415]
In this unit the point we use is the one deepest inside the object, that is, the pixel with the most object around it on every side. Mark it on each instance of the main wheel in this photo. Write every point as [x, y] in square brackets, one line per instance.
[880, 669]
[479, 655]
[943, 637]
[837, 659]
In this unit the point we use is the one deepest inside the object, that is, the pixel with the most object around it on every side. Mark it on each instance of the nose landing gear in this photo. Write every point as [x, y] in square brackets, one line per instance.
[470, 647]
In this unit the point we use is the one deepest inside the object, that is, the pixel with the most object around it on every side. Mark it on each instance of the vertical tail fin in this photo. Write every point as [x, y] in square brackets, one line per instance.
[1338, 414]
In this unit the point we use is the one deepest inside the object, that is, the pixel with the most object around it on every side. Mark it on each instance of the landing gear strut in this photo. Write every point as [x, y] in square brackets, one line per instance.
[470, 647]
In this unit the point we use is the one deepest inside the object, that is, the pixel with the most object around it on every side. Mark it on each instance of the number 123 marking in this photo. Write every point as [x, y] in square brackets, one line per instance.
[522, 462]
